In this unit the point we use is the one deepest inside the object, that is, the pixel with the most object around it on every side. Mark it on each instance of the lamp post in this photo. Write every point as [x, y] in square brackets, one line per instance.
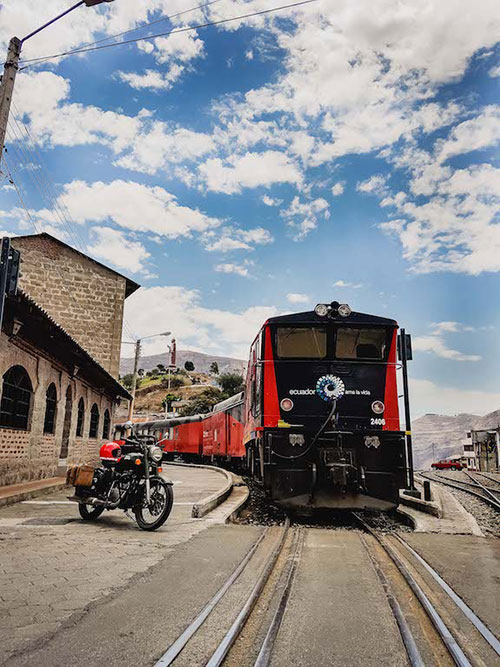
[137, 344]
[11, 66]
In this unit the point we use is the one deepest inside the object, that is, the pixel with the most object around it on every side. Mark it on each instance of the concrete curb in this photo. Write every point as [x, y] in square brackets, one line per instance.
[30, 494]
[427, 506]
[241, 504]
[206, 505]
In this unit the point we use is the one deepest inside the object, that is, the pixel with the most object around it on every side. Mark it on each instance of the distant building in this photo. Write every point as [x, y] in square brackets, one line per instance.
[486, 448]
[59, 359]
[469, 455]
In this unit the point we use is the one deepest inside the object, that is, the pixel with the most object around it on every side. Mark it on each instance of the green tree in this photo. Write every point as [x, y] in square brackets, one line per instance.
[168, 400]
[161, 368]
[231, 383]
[127, 380]
[201, 403]
[189, 366]
[140, 372]
[214, 368]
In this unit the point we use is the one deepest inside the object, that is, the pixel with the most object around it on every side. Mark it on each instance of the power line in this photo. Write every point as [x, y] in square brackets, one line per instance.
[33, 61]
[149, 23]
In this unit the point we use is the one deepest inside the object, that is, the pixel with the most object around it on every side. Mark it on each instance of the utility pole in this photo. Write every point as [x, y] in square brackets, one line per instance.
[134, 378]
[405, 355]
[7, 86]
[11, 67]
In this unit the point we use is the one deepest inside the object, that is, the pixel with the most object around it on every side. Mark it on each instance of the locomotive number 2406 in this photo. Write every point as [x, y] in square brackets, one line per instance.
[376, 421]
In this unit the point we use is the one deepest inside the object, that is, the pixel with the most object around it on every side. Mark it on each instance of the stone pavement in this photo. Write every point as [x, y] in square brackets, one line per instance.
[53, 565]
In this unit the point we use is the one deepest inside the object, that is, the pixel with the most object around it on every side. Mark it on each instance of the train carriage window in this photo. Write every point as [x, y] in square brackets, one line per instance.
[360, 343]
[301, 342]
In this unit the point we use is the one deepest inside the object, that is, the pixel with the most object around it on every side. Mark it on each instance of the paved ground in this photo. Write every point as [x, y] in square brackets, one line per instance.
[470, 565]
[53, 564]
[338, 613]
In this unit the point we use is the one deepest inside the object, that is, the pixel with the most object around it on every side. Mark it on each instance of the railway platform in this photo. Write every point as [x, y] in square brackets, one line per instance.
[205, 592]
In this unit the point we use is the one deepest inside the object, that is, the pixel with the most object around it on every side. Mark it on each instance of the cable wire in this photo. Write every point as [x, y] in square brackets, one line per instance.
[33, 61]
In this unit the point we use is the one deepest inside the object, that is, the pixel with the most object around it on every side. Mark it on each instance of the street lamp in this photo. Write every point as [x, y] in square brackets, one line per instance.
[11, 66]
[137, 344]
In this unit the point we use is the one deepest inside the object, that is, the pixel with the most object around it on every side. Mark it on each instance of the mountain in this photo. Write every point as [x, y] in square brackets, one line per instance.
[446, 433]
[201, 362]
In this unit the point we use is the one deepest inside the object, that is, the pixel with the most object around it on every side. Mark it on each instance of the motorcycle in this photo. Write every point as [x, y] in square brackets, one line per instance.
[129, 479]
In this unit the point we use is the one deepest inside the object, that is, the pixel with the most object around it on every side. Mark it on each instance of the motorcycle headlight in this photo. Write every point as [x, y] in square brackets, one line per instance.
[155, 453]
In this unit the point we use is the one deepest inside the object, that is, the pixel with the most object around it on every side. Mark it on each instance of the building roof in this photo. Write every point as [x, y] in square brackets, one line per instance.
[130, 285]
[40, 330]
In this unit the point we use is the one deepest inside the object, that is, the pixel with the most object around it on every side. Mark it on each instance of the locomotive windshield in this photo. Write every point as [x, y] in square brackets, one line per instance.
[331, 342]
[360, 343]
[302, 342]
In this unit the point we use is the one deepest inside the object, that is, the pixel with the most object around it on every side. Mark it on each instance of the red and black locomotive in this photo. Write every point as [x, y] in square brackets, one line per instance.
[318, 422]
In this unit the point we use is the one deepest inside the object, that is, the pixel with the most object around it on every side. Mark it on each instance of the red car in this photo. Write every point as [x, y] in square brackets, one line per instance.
[449, 465]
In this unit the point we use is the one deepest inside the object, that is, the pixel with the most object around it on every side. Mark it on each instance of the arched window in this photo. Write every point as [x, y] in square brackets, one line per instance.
[17, 391]
[50, 409]
[106, 424]
[80, 418]
[94, 421]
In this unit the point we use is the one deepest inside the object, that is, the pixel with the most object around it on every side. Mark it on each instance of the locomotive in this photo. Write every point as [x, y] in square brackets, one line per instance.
[318, 422]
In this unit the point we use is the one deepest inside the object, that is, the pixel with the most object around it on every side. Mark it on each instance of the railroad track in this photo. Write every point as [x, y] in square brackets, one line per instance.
[474, 488]
[396, 548]
[252, 636]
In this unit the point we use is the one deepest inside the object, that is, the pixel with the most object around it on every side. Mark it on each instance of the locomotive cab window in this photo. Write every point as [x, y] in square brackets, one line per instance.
[301, 342]
[360, 343]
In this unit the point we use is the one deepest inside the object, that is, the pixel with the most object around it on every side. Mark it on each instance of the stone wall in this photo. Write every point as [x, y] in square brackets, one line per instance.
[29, 455]
[85, 298]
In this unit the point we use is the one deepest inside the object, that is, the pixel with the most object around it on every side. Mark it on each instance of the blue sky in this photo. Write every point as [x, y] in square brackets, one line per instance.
[335, 150]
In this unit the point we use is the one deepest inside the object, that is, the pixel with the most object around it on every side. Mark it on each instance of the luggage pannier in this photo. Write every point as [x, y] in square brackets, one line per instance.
[80, 475]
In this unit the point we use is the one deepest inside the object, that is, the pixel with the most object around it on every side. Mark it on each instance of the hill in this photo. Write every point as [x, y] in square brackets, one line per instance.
[446, 433]
[201, 362]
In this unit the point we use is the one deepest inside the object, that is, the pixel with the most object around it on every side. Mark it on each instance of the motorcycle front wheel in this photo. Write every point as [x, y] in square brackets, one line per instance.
[90, 512]
[153, 515]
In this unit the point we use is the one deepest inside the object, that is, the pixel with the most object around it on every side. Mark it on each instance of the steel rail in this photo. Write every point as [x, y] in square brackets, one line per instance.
[264, 657]
[458, 656]
[412, 651]
[173, 651]
[232, 634]
[489, 476]
[490, 492]
[492, 640]
[487, 500]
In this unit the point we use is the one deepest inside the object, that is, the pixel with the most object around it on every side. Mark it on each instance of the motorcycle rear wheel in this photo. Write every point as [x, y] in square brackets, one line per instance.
[90, 512]
[162, 498]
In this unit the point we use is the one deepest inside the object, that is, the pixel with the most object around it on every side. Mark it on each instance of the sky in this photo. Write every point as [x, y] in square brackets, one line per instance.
[334, 150]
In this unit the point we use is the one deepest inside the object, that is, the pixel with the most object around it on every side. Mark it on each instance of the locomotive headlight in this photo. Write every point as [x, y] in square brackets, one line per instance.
[155, 453]
[322, 309]
[378, 407]
[286, 404]
[344, 310]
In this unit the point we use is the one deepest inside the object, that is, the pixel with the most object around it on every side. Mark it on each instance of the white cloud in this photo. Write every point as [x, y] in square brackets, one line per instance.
[249, 171]
[374, 185]
[197, 327]
[152, 79]
[237, 269]
[427, 396]
[233, 238]
[435, 343]
[270, 201]
[140, 142]
[338, 189]
[302, 217]
[133, 206]
[115, 247]
[294, 297]
[474, 134]
[455, 230]
[494, 71]
[344, 283]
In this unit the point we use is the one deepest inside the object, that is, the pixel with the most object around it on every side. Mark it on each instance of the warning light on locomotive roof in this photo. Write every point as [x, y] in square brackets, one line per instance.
[332, 309]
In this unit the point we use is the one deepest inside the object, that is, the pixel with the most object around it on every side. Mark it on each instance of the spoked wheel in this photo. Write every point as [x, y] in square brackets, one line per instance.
[90, 512]
[153, 515]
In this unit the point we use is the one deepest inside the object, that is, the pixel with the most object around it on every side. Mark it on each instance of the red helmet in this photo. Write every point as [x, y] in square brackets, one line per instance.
[110, 451]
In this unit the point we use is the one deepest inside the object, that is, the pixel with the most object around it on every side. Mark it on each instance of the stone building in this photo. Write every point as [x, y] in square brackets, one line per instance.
[82, 295]
[59, 386]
